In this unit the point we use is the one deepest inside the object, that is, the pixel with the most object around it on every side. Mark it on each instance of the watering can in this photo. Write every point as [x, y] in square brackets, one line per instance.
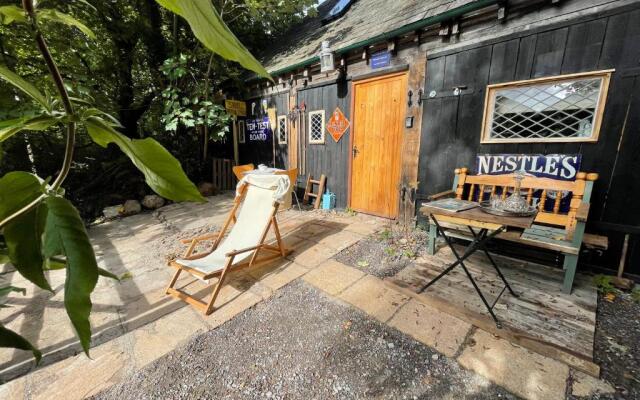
[328, 200]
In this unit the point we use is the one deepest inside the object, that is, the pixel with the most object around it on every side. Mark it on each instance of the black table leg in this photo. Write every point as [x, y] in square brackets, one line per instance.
[478, 242]
[495, 266]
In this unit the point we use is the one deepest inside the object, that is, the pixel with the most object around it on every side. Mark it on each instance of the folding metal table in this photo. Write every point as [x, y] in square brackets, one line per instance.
[483, 228]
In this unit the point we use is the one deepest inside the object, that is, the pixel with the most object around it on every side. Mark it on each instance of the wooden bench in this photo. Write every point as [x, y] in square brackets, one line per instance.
[553, 229]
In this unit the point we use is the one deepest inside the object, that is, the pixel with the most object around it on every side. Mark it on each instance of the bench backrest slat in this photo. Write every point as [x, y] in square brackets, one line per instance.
[466, 186]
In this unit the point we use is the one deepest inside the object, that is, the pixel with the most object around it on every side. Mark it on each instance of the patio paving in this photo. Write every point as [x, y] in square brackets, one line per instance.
[134, 323]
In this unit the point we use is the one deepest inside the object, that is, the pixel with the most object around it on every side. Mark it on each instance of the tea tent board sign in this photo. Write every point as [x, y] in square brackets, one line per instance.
[337, 124]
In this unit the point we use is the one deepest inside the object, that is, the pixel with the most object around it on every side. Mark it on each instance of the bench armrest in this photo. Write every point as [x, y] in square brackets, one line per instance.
[446, 193]
[583, 212]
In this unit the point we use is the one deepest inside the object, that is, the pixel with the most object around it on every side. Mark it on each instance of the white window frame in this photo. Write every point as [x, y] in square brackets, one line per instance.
[489, 104]
[241, 131]
[286, 133]
[311, 114]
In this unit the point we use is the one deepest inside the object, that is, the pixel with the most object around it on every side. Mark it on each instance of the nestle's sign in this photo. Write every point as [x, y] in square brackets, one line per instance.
[554, 166]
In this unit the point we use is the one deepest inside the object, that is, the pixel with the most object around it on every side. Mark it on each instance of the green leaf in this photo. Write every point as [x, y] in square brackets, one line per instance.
[52, 264]
[107, 274]
[12, 13]
[66, 235]
[5, 290]
[209, 28]
[38, 123]
[24, 241]
[161, 170]
[24, 86]
[17, 189]
[57, 16]
[10, 339]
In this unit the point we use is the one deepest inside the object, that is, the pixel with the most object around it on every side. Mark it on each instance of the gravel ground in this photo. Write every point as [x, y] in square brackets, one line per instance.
[617, 344]
[301, 344]
[385, 253]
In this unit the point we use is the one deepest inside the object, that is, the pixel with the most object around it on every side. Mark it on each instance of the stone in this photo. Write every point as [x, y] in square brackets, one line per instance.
[131, 207]
[152, 201]
[522, 372]
[207, 189]
[372, 296]
[587, 386]
[80, 376]
[441, 331]
[112, 212]
[333, 277]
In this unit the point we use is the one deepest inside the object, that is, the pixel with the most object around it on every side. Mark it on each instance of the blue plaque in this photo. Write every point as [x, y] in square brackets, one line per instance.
[258, 130]
[380, 60]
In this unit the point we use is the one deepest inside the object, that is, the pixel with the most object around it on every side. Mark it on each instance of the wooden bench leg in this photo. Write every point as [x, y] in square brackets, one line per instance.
[431, 244]
[570, 266]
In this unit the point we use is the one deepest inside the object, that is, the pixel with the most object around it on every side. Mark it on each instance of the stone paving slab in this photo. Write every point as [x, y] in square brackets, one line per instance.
[441, 331]
[372, 296]
[333, 277]
[519, 370]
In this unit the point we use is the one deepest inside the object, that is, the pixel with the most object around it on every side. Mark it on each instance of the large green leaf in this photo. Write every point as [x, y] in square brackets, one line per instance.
[66, 235]
[161, 170]
[209, 28]
[57, 16]
[23, 85]
[9, 338]
[39, 123]
[24, 241]
[17, 189]
[12, 13]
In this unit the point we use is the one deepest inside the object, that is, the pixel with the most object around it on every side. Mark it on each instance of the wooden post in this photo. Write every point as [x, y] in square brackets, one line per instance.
[236, 153]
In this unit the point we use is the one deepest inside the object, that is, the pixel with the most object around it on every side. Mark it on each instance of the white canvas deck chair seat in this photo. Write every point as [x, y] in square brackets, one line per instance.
[260, 197]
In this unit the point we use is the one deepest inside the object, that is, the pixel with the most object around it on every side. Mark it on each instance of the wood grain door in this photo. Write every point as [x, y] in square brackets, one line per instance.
[378, 114]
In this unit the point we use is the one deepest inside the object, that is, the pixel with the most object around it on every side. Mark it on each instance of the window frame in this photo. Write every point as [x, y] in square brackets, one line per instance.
[322, 128]
[286, 130]
[489, 104]
[241, 132]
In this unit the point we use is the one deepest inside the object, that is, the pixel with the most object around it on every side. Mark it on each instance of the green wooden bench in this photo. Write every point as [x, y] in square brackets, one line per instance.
[553, 229]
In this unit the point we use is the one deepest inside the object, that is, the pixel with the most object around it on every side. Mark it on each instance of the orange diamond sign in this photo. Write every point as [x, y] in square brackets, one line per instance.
[337, 125]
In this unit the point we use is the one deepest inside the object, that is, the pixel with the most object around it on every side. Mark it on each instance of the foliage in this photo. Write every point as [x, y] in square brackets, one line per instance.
[40, 229]
[635, 294]
[190, 111]
[604, 284]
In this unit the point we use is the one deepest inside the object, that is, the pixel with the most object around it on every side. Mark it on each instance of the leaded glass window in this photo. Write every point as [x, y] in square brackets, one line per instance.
[316, 127]
[282, 129]
[557, 109]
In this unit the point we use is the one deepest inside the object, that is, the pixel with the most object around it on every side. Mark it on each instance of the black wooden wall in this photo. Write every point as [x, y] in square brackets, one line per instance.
[330, 158]
[262, 152]
[452, 124]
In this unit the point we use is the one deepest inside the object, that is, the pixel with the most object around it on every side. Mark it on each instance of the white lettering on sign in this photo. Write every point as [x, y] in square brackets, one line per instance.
[554, 166]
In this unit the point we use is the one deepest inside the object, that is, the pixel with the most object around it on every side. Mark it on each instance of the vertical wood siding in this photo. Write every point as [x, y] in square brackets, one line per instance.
[452, 125]
[330, 158]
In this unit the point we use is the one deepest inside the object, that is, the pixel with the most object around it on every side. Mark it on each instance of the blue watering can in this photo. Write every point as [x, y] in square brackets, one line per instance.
[328, 200]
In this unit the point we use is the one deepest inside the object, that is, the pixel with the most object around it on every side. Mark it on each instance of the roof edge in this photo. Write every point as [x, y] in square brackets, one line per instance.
[449, 14]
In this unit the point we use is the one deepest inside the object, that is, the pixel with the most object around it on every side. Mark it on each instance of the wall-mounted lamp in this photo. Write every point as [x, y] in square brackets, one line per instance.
[326, 58]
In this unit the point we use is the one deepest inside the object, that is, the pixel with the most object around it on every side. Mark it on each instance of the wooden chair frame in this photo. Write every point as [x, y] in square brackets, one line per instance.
[276, 252]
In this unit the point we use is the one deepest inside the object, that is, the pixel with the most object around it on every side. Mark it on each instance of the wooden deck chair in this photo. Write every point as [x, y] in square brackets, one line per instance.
[243, 244]
[293, 178]
[239, 170]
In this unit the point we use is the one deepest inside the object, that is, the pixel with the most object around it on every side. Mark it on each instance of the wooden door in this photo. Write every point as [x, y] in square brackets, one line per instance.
[378, 114]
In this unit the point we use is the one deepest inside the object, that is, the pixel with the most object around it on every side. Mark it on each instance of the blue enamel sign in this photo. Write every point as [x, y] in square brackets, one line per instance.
[554, 166]
[380, 60]
[258, 130]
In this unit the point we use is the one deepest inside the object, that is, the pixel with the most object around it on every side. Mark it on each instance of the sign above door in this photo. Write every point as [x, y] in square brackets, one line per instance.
[337, 124]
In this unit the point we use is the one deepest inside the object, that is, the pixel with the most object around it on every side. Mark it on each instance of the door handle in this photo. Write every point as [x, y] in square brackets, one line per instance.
[355, 151]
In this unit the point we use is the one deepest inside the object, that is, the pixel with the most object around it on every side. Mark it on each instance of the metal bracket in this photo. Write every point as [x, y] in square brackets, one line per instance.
[455, 91]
